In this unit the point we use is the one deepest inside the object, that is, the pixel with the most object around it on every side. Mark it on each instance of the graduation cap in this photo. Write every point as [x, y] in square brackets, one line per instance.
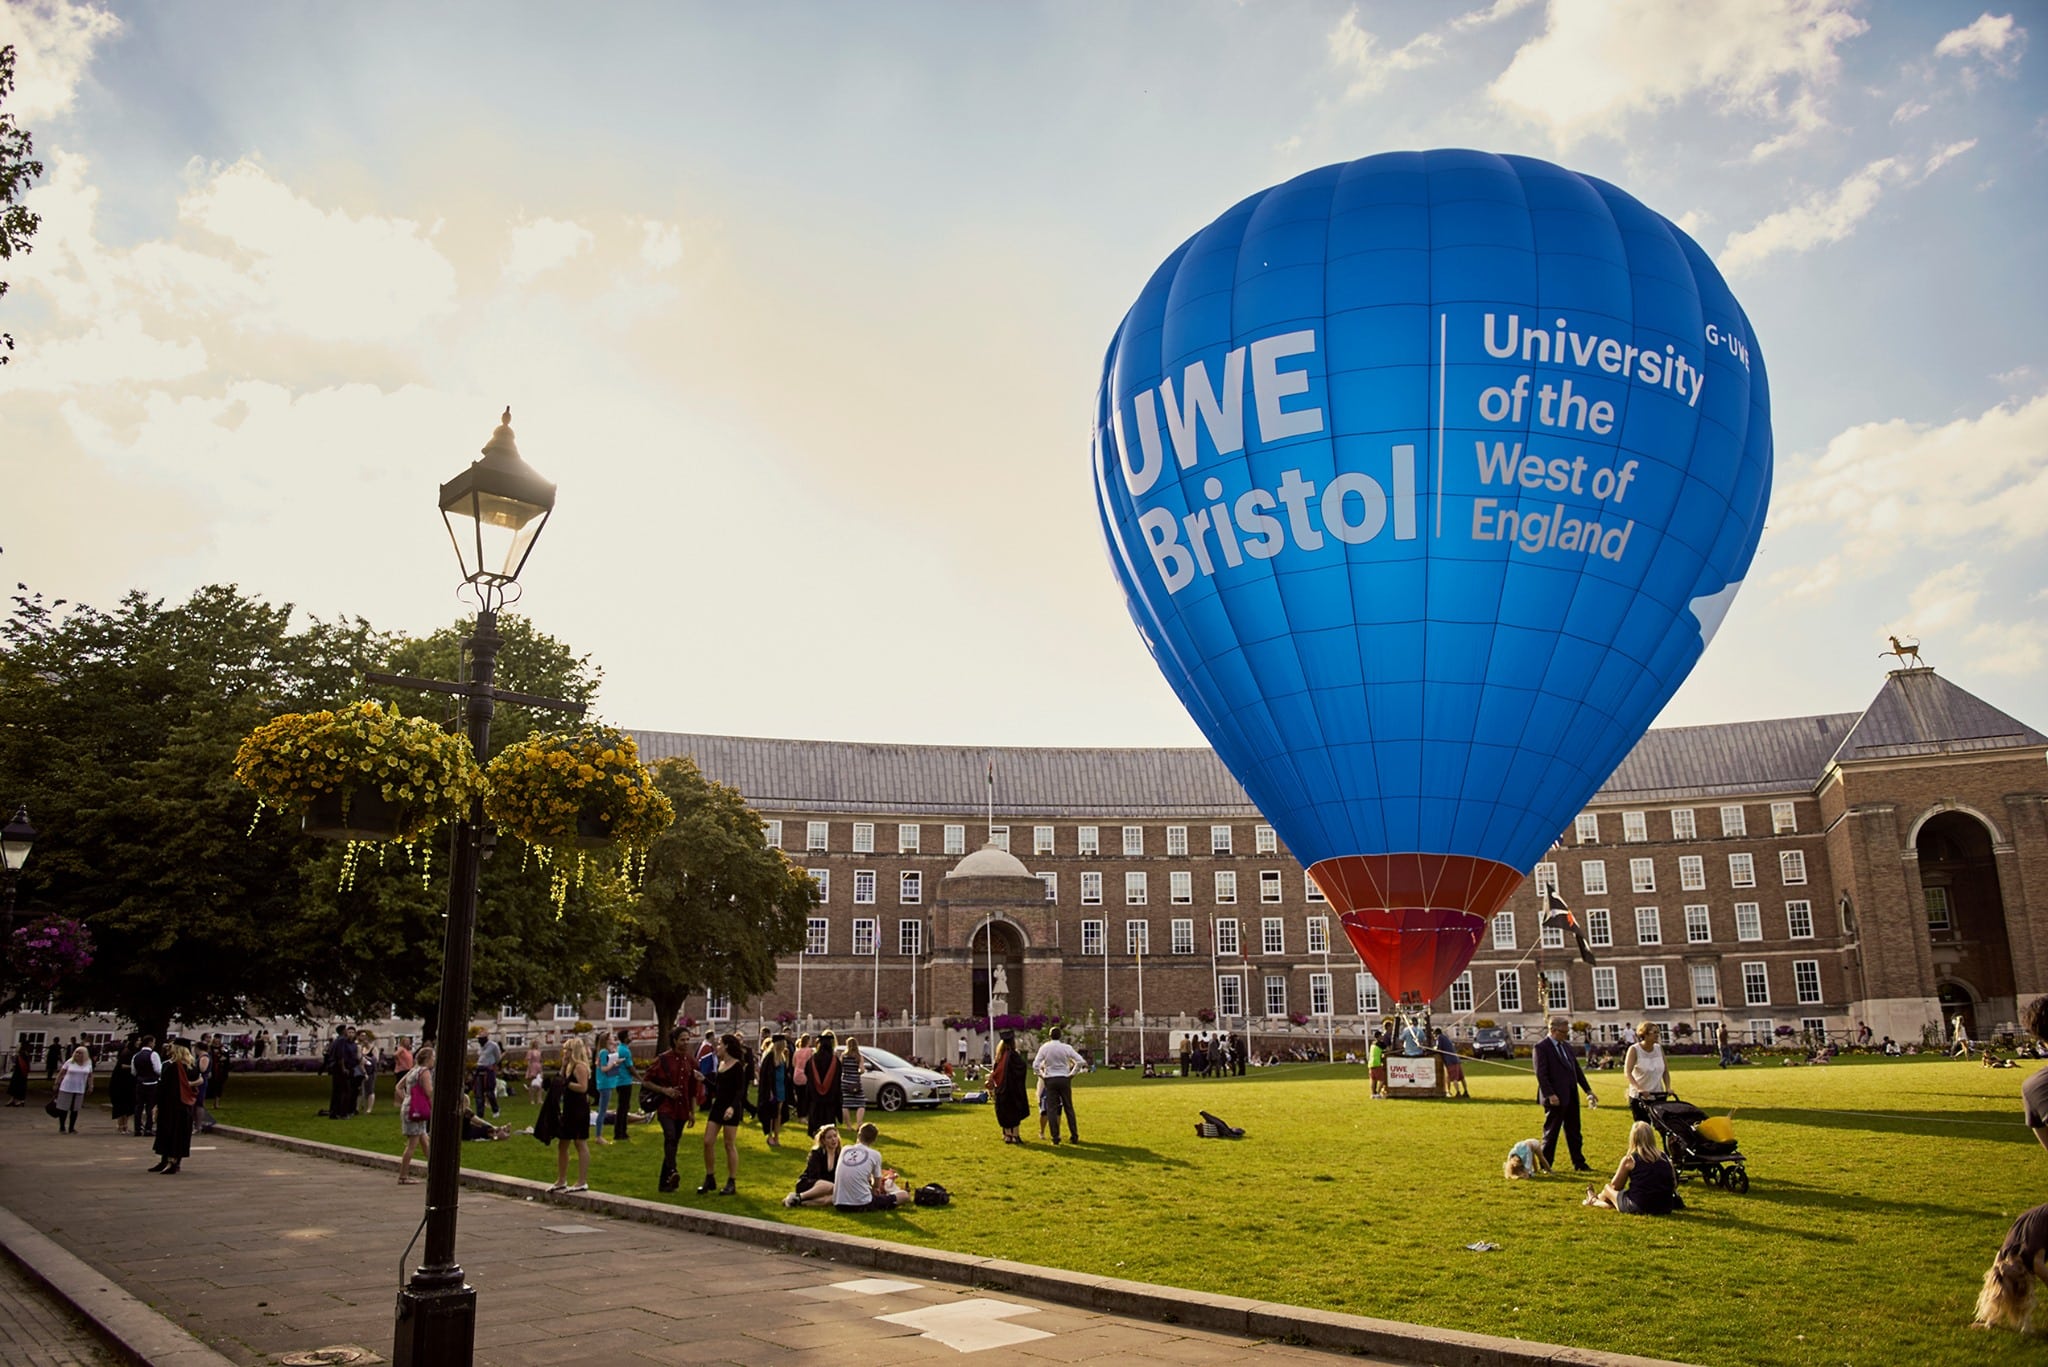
[1559, 917]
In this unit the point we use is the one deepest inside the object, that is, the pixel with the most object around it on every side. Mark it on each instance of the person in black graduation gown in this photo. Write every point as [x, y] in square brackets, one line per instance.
[1010, 1088]
[176, 1096]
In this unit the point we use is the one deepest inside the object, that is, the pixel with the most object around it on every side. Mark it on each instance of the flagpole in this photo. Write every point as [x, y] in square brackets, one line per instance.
[1141, 996]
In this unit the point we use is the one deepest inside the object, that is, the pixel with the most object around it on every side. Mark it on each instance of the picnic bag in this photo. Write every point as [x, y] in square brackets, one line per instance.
[932, 1194]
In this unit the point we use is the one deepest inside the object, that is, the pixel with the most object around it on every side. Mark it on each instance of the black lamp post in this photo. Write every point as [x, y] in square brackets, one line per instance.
[15, 839]
[495, 511]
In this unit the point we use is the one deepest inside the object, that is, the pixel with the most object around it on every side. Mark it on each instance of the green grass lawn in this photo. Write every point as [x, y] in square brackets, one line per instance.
[1880, 1189]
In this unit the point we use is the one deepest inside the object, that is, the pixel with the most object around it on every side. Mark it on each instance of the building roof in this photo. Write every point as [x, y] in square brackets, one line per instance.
[990, 862]
[1916, 713]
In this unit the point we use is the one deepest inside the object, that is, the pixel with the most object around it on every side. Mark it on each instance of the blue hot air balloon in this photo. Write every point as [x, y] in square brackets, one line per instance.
[1428, 477]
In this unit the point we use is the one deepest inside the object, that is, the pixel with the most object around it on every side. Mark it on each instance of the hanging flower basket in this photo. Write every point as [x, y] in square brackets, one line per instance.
[569, 794]
[360, 772]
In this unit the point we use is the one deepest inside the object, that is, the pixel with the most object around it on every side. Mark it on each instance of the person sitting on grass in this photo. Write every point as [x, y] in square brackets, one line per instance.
[1645, 1183]
[814, 1188]
[1525, 1159]
[863, 1184]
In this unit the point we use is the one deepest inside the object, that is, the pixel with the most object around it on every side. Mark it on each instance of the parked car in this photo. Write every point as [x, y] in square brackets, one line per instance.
[891, 1083]
[1491, 1041]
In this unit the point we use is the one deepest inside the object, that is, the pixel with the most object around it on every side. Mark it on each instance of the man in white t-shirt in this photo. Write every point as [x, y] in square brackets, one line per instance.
[860, 1182]
[1057, 1063]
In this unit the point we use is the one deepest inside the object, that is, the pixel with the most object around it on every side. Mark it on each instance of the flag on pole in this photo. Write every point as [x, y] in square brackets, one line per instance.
[1559, 917]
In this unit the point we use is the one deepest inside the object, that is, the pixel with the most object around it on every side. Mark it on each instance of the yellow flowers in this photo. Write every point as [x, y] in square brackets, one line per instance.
[568, 793]
[293, 759]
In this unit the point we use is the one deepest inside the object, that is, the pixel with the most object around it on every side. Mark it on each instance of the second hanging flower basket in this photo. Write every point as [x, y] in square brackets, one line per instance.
[570, 794]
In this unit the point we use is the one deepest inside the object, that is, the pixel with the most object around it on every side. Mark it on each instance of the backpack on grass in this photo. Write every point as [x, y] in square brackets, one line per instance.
[1213, 1127]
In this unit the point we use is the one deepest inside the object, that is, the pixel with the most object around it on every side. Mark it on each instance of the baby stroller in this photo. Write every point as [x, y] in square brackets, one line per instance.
[1697, 1142]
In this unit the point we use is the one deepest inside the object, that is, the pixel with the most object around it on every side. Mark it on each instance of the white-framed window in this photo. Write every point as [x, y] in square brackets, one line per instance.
[1756, 985]
[1699, 927]
[1749, 921]
[1461, 992]
[1792, 867]
[1091, 937]
[1937, 909]
[1052, 885]
[823, 879]
[1784, 818]
[1176, 842]
[1550, 937]
[1319, 994]
[1309, 891]
[1683, 827]
[509, 1013]
[817, 835]
[1276, 995]
[1269, 885]
[1088, 840]
[1134, 889]
[1635, 828]
[1272, 935]
[999, 836]
[910, 887]
[1587, 828]
[1606, 996]
[1557, 993]
[1508, 987]
[1042, 840]
[863, 837]
[1599, 928]
[1504, 929]
[718, 1008]
[771, 834]
[1799, 920]
[1180, 888]
[1642, 875]
[1706, 985]
[1319, 935]
[864, 936]
[1692, 872]
[910, 937]
[1183, 935]
[1760, 1030]
[1741, 871]
[1226, 887]
[1264, 841]
[1656, 992]
[817, 936]
[1732, 822]
[1369, 992]
[956, 840]
[618, 1006]
[1219, 840]
[1649, 926]
[1226, 935]
[1593, 877]
[515, 1039]
[1230, 994]
[1545, 879]
[909, 836]
[566, 1011]
[1134, 841]
[863, 887]
[1137, 937]
[1816, 1026]
[1091, 889]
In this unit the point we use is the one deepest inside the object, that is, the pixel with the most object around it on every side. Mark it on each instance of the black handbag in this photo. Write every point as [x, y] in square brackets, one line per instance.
[51, 1109]
[932, 1194]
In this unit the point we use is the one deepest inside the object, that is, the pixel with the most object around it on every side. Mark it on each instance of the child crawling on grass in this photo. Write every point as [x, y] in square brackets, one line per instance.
[1525, 1160]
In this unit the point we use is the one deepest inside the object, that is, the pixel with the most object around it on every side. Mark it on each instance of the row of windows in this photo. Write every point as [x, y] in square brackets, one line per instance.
[1180, 887]
[1137, 936]
[1692, 873]
[618, 1006]
[1699, 929]
[1635, 826]
[1705, 980]
[1044, 840]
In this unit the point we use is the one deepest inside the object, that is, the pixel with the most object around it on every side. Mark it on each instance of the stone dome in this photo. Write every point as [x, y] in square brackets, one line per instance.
[990, 862]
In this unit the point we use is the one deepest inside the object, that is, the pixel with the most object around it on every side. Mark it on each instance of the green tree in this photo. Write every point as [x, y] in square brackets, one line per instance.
[717, 904]
[18, 169]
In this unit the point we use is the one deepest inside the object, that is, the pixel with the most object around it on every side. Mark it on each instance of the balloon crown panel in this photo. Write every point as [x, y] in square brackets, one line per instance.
[1428, 477]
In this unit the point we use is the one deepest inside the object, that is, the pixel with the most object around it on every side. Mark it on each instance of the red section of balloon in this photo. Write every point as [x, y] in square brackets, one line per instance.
[1415, 918]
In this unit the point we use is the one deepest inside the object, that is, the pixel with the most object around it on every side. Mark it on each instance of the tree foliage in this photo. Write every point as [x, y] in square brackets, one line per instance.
[717, 905]
[18, 169]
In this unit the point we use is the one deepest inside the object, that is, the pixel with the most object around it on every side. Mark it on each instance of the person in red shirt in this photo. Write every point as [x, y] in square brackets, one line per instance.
[674, 1080]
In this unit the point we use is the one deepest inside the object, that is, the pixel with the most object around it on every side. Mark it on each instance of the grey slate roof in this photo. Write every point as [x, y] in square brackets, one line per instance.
[1916, 713]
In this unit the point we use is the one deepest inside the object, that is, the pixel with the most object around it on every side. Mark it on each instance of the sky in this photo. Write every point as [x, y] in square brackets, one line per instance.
[804, 307]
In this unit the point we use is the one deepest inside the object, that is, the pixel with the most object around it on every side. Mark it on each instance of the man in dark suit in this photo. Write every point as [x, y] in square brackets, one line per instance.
[1559, 1079]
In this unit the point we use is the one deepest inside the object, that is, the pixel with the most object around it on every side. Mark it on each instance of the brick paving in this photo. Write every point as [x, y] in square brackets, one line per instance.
[38, 1330]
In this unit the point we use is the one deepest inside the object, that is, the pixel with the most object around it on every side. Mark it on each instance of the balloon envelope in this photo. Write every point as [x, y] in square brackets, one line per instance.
[1428, 477]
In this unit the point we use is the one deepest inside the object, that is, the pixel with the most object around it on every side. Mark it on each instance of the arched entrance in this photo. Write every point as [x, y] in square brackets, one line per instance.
[998, 944]
[1965, 922]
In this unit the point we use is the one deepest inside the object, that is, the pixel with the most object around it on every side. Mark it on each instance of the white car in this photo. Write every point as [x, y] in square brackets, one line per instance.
[892, 1083]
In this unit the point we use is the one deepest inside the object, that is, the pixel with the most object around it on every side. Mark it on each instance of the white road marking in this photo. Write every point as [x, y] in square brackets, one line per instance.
[970, 1326]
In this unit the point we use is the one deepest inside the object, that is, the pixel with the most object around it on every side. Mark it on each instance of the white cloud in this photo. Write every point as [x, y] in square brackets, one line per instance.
[53, 44]
[1806, 120]
[543, 244]
[2007, 648]
[1943, 600]
[1823, 217]
[1989, 36]
[115, 351]
[1946, 155]
[1598, 63]
[661, 244]
[1492, 14]
[1909, 111]
[1356, 50]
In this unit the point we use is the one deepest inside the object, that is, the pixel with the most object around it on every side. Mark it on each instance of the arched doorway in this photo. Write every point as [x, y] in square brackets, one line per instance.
[1965, 922]
[998, 944]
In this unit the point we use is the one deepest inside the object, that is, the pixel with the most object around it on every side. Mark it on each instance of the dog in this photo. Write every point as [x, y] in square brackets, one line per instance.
[2015, 1275]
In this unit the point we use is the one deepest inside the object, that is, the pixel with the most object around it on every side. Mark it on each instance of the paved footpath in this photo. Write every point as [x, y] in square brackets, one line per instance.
[260, 1251]
[38, 1330]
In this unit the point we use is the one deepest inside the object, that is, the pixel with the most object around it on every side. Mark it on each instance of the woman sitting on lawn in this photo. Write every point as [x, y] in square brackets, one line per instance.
[814, 1188]
[1645, 1183]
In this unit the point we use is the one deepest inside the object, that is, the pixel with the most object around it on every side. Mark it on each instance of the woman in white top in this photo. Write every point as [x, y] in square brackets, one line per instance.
[74, 1080]
[1646, 1068]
